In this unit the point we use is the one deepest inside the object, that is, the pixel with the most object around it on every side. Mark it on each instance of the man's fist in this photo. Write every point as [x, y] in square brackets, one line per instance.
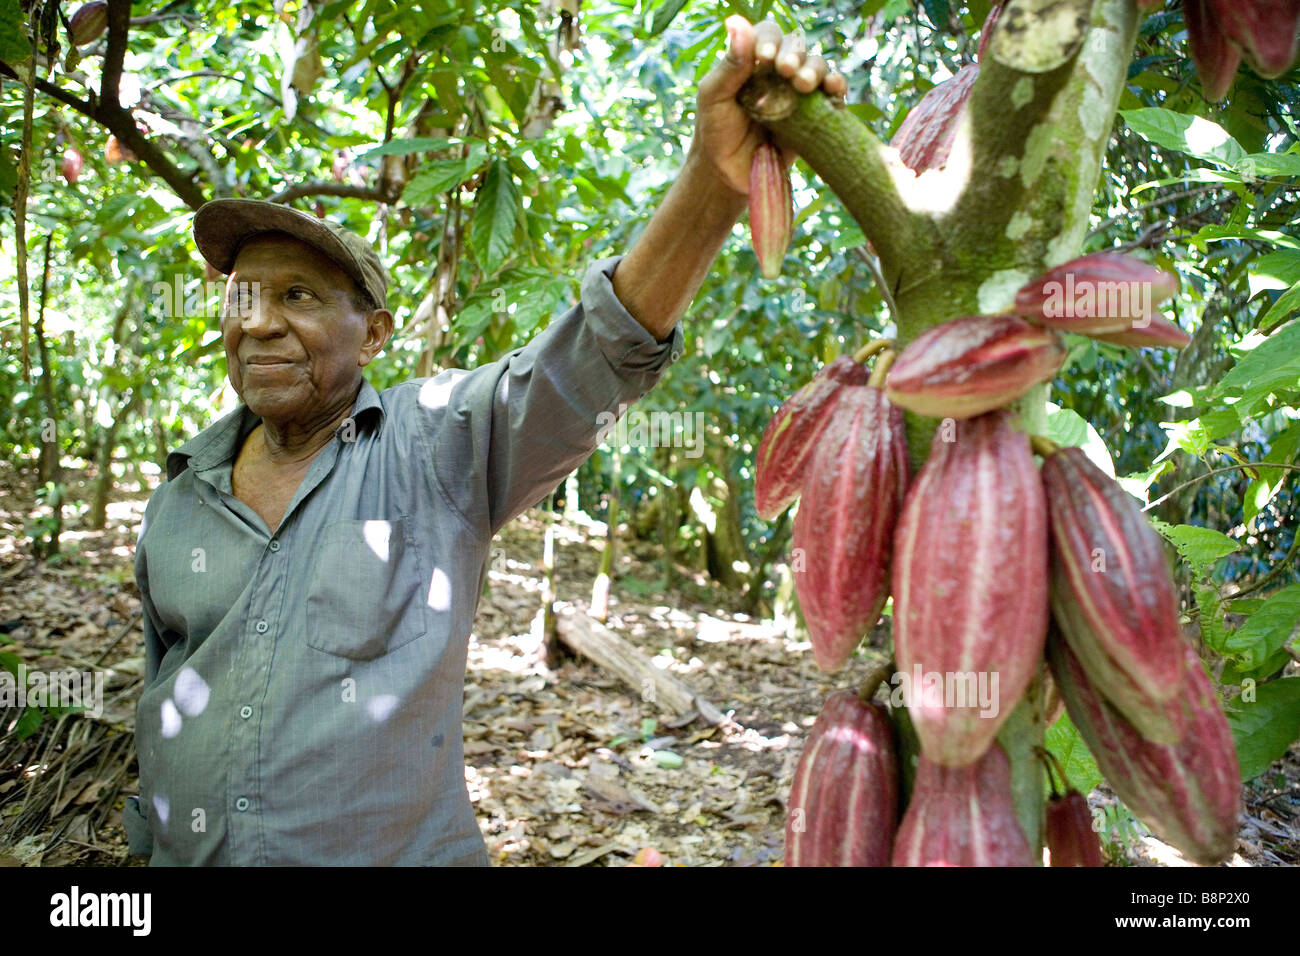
[725, 136]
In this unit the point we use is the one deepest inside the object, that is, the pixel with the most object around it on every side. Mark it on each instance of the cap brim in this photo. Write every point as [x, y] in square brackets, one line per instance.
[223, 225]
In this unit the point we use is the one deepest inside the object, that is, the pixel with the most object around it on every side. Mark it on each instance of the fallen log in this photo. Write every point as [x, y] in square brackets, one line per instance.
[593, 640]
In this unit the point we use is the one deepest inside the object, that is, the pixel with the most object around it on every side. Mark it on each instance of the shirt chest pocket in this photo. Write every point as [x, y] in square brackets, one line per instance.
[368, 593]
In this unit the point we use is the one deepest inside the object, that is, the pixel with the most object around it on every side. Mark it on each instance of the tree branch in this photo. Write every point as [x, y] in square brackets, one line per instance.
[119, 25]
[320, 188]
[842, 151]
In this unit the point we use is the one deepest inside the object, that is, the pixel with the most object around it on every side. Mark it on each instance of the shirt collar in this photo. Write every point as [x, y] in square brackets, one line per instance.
[219, 441]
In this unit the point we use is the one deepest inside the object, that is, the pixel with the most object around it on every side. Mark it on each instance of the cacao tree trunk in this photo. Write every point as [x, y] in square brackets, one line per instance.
[1013, 200]
[49, 462]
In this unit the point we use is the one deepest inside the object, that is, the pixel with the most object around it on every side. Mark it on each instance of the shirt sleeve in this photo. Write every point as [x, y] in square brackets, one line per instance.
[154, 647]
[504, 435]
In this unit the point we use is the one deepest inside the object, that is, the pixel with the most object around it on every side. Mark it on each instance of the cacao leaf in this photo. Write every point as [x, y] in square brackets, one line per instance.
[496, 210]
[1267, 630]
[1265, 728]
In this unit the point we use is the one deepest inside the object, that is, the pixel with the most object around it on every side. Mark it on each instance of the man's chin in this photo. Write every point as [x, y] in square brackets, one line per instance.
[272, 403]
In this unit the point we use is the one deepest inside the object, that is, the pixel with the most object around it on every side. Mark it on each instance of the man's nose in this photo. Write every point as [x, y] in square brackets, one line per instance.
[258, 315]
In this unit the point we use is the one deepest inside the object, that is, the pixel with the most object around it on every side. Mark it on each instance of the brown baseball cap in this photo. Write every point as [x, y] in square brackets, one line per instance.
[223, 225]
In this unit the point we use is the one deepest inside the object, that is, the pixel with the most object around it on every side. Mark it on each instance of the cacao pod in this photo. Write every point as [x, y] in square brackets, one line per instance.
[1100, 292]
[1188, 793]
[1216, 57]
[925, 138]
[1264, 30]
[1070, 838]
[970, 586]
[973, 365]
[88, 23]
[1112, 595]
[986, 31]
[1158, 333]
[115, 152]
[71, 166]
[771, 209]
[845, 524]
[791, 437]
[962, 816]
[843, 807]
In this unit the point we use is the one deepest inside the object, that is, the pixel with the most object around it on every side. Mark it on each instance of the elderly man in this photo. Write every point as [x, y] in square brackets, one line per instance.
[311, 567]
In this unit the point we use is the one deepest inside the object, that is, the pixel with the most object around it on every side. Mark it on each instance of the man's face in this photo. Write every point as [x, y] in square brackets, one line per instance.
[295, 342]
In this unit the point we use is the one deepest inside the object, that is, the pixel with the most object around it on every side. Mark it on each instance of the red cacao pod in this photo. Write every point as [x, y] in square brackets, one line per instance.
[962, 816]
[1159, 332]
[791, 437]
[88, 23]
[71, 166]
[771, 209]
[925, 138]
[1216, 57]
[1112, 594]
[1070, 838]
[970, 586]
[845, 525]
[843, 807]
[986, 31]
[1264, 30]
[1188, 793]
[973, 365]
[1100, 292]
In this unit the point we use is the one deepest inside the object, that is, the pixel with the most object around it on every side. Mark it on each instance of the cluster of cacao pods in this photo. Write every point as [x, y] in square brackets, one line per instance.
[987, 554]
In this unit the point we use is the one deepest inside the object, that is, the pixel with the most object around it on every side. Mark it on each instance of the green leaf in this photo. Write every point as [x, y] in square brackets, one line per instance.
[1067, 746]
[1266, 727]
[1066, 427]
[28, 722]
[667, 759]
[1271, 365]
[14, 46]
[1268, 629]
[1275, 271]
[496, 211]
[1193, 135]
[427, 186]
[1269, 164]
[1286, 303]
[400, 147]
[1199, 547]
[664, 15]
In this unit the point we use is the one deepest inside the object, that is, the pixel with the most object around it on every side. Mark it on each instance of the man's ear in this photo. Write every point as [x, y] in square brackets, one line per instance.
[379, 329]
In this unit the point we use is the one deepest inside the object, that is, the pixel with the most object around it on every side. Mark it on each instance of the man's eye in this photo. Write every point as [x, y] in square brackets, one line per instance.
[299, 293]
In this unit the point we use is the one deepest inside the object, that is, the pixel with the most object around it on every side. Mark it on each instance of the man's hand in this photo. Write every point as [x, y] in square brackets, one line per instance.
[657, 280]
[725, 136]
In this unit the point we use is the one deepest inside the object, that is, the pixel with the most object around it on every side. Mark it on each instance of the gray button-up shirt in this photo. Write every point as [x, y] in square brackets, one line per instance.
[303, 690]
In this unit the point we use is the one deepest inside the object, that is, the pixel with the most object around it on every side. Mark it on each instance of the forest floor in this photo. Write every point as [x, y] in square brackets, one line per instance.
[566, 765]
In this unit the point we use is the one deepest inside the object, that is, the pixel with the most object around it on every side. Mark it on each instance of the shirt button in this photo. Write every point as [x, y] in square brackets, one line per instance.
[262, 627]
[275, 545]
[241, 803]
[245, 712]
